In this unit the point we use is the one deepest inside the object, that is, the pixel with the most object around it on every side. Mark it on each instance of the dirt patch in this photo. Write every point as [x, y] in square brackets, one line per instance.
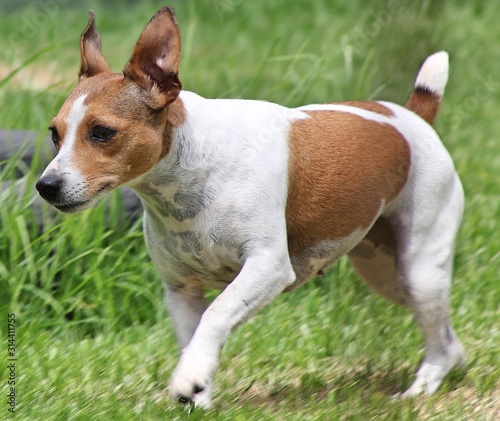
[35, 77]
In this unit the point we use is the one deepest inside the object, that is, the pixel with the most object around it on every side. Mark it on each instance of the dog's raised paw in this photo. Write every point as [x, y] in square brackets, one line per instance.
[188, 392]
[187, 400]
[200, 398]
[192, 379]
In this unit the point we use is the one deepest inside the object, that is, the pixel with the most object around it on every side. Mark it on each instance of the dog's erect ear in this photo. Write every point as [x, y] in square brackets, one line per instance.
[92, 60]
[154, 64]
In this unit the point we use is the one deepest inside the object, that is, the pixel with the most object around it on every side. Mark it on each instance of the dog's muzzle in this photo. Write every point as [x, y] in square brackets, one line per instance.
[56, 190]
[49, 186]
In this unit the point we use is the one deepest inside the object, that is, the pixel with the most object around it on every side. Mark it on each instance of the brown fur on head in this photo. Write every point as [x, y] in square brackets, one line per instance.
[117, 125]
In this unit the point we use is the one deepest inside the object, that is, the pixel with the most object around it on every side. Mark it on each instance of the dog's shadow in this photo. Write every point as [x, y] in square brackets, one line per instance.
[362, 383]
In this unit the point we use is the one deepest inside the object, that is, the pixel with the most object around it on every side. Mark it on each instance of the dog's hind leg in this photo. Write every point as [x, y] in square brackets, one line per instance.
[425, 263]
[407, 257]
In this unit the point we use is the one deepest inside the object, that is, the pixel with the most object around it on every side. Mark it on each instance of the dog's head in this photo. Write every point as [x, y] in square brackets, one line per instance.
[114, 127]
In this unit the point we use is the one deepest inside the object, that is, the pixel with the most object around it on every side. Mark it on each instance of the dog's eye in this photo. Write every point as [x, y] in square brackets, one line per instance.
[55, 136]
[102, 133]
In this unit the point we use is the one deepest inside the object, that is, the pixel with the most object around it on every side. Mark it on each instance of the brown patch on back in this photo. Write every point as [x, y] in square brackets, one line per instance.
[425, 103]
[369, 106]
[342, 167]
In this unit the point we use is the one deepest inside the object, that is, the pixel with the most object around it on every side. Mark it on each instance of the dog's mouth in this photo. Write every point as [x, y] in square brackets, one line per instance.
[73, 207]
[76, 206]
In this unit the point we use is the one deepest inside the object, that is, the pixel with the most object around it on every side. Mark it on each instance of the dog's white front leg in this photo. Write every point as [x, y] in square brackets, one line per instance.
[185, 306]
[261, 279]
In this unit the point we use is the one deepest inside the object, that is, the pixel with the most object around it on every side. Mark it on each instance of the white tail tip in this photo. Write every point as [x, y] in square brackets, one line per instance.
[433, 74]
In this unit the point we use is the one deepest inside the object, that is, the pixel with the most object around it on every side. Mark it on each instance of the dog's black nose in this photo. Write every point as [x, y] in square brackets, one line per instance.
[49, 186]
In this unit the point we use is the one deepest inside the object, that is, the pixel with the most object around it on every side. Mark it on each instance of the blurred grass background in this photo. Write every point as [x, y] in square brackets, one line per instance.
[94, 338]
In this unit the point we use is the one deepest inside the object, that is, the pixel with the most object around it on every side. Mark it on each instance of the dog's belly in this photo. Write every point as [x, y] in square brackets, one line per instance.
[183, 259]
[312, 261]
[184, 255]
[307, 268]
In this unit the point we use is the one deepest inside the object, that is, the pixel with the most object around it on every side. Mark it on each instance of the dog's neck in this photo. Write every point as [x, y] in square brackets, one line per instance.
[174, 188]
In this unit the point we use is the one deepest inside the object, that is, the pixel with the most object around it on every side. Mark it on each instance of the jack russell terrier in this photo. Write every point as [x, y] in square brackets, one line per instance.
[255, 199]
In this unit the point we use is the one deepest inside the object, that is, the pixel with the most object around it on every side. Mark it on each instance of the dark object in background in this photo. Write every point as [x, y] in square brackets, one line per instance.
[32, 155]
[27, 147]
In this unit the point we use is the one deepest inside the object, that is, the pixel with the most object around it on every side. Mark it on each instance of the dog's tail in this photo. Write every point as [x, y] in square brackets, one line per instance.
[429, 86]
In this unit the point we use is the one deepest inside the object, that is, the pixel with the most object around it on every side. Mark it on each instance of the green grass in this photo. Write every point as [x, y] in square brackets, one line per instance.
[93, 338]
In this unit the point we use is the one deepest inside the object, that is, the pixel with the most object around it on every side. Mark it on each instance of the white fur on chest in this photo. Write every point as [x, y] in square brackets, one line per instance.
[220, 192]
[189, 255]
